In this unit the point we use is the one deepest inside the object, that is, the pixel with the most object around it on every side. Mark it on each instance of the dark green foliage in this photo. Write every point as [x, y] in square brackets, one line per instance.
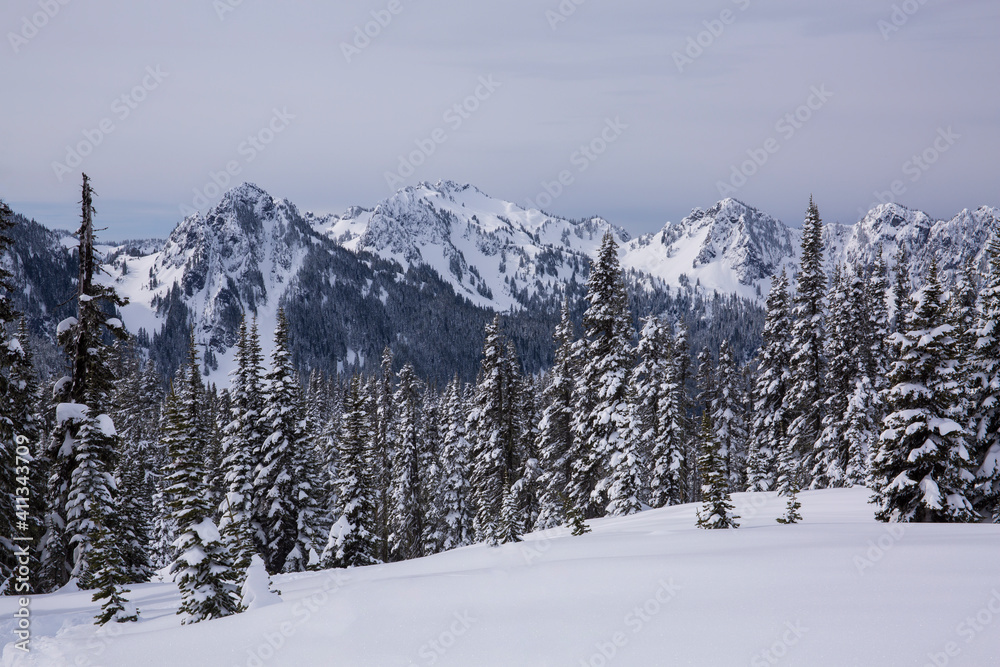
[717, 508]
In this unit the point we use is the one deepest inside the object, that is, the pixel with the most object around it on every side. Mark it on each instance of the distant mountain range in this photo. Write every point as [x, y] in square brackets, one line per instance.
[425, 268]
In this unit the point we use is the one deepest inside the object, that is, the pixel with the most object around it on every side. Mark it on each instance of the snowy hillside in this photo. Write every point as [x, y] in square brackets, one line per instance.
[494, 252]
[248, 251]
[650, 589]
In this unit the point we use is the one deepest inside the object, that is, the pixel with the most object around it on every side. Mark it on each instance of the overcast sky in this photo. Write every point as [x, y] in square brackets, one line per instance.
[676, 100]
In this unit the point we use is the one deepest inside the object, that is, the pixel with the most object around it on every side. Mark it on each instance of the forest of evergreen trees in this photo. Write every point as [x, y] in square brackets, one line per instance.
[861, 380]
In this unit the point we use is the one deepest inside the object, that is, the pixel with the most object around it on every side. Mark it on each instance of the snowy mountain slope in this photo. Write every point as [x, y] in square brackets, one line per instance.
[731, 247]
[495, 253]
[649, 589]
[244, 253]
[951, 242]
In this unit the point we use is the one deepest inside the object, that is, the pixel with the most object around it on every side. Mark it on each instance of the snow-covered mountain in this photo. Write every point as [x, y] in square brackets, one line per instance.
[247, 254]
[241, 254]
[495, 253]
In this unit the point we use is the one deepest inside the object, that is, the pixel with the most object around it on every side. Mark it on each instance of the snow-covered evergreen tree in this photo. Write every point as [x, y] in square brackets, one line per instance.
[382, 452]
[861, 434]
[352, 541]
[109, 576]
[667, 486]
[628, 465]
[922, 471]
[202, 566]
[728, 417]
[284, 498]
[806, 391]
[985, 385]
[555, 430]
[406, 517]
[455, 490]
[770, 424]
[242, 445]
[602, 409]
[18, 422]
[492, 425]
[431, 472]
[717, 510]
[829, 462]
[82, 451]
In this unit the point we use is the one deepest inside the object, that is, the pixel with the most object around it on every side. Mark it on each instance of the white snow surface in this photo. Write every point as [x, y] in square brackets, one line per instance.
[650, 589]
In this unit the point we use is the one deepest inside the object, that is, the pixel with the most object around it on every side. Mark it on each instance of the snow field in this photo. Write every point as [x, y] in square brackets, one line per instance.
[648, 589]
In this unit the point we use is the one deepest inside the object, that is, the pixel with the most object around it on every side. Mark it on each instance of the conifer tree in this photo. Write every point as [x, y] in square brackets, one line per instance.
[792, 507]
[628, 466]
[242, 446]
[202, 565]
[82, 451]
[862, 432]
[283, 494]
[431, 472]
[352, 542]
[493, 426]
[555, 430]
[406, 517]
[770, 425]
[728, 417]
[985, 385]
[455, 489]
[806, 390]
[668, 453]
[841, 347]
[873, 350]
[602, 409]
[717, 510]
[18, 423]
[382, 453]
[922, 470]
[109, 577]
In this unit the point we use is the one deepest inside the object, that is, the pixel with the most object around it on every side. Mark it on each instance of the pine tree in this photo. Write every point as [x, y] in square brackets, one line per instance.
[283, 494]
[861, 435]
[770, 425]
[922, 470]
[406, 517]
[873, 351]
[668, 453]
[727, 410]
[602, 409]
[202, 566]
[352, 542]
[628, 467]
[382, 453]
[493, 427]
[527, 477]
[806, 390]
[242, 445]
[717, 510]
[841, 348]
[83, 448]
[455, 489]
[135, 412]
[792, 507]
[109, 577]
[985, 385]
[555, 430]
